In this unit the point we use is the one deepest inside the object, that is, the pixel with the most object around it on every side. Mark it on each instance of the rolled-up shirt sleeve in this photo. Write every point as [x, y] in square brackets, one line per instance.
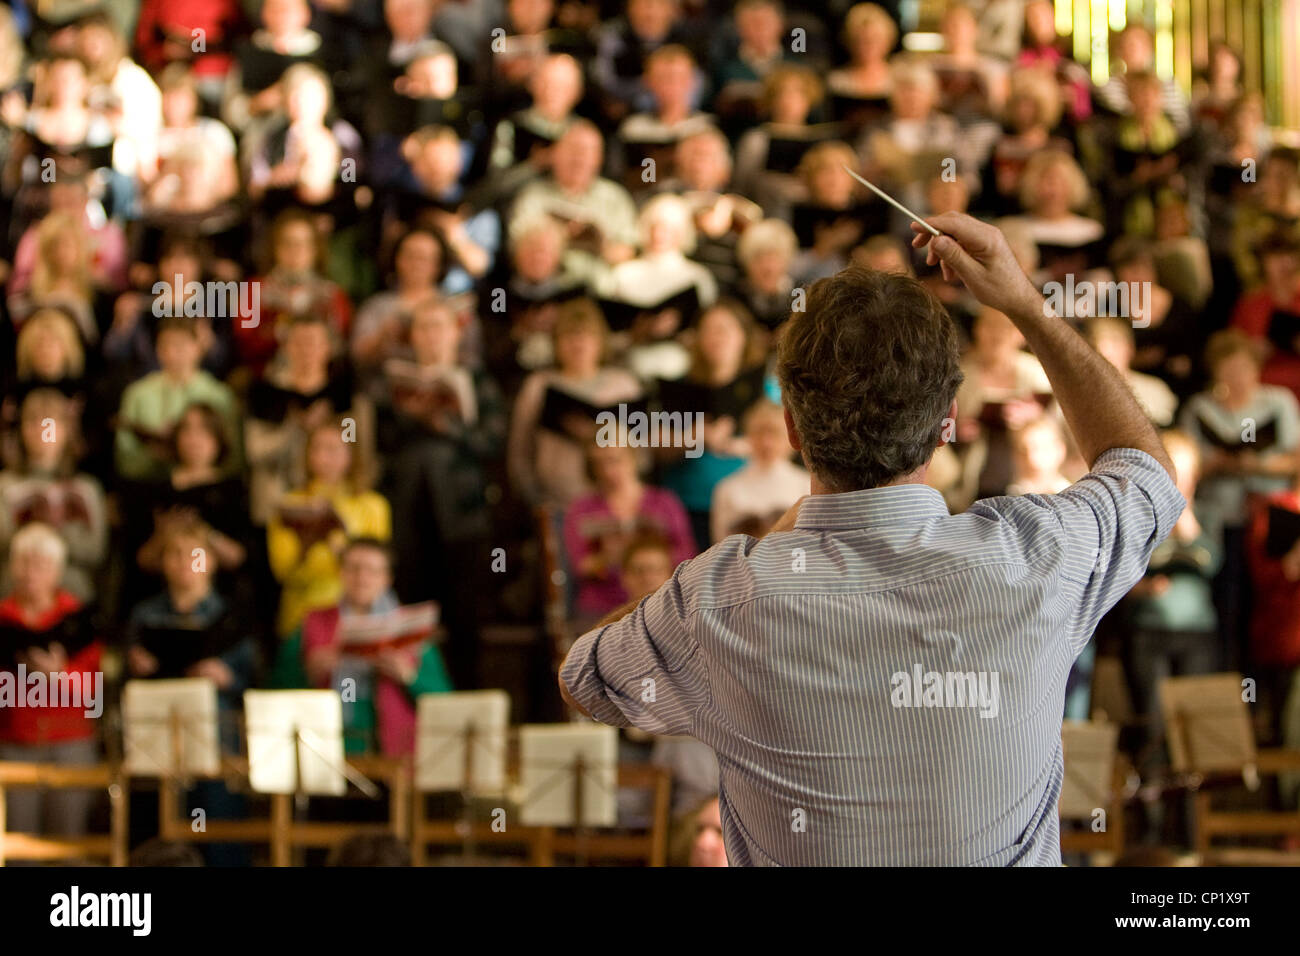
[644, 670]
[1113, 518]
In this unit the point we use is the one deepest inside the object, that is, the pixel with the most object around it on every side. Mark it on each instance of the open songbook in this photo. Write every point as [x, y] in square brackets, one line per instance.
[54, 504]
[566, 414]
[622, 315]
[584, 230]
[405, 627]
[1265, 437]
[312, 519]
[432, 390]
[787, 145]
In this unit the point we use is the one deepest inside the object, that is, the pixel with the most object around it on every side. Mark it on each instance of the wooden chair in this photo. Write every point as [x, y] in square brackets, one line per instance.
[648, 846]
[470, 835]
[1211, 746]
[280, 831]
[543, 844]
[26, 846]
[1094, 780]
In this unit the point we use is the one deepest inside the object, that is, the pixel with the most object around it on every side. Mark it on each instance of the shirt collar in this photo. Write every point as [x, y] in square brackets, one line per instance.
[892, 504]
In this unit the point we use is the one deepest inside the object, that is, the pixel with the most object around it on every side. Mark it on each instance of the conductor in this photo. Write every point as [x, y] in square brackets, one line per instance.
[883, 682]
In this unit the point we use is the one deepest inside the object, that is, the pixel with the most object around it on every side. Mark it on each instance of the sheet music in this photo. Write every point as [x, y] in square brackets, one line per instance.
[1207, 723]
[151, 712]
[1089, 768]
[441, 722]
[547, 755]
[272, 717]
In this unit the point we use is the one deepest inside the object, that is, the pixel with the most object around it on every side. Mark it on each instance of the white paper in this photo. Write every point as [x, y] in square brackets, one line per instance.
[547, 753]
[1089, 768]
[1207, 724]
[308, 722]
[152, 710]
[441, 722]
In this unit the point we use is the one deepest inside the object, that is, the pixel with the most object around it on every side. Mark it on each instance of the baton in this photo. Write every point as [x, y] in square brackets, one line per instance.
[895, 203]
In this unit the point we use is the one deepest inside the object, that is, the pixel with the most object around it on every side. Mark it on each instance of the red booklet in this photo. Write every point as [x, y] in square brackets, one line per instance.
[406, 627]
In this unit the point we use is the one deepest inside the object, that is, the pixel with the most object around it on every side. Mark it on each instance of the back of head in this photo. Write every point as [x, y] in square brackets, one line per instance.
[868, 373]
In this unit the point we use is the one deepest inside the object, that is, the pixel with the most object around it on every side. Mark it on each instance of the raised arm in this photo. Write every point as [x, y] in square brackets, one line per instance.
[1098, 404]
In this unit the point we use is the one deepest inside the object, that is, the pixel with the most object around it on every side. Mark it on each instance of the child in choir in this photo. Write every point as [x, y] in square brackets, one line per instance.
[190, 629]
[381, 717]
[151, 406]
[707, 847]
[769, 482]
[647, 563]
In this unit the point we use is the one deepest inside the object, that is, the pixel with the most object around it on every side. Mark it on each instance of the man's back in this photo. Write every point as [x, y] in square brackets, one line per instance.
[885, 683]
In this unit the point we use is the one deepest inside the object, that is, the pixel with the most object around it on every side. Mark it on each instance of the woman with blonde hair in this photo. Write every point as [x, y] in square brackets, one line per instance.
[836, 214]
[41, 483]
[1053, 190]
[1032, 111]
[861, 88]
[662, 271]
[61, 275]
[667, 234]
[767, 155]
[49, 348]
[311, 525]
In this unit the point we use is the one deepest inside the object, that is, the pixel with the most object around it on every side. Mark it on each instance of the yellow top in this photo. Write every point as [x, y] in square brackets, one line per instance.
[310, 579]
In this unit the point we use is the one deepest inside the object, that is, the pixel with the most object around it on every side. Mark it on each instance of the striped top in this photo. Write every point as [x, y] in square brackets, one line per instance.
[884, 684]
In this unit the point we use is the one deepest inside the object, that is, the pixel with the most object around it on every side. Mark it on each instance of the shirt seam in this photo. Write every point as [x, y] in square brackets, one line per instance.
[885, 590]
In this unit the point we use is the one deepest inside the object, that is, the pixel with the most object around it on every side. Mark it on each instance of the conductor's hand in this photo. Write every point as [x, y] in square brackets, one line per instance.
[978, 254]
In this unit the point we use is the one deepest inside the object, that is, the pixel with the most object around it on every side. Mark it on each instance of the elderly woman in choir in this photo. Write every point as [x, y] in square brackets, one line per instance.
[44, 630]
[766, 253]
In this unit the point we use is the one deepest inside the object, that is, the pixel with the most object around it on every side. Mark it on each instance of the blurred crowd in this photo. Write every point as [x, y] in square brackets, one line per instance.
[310, 307]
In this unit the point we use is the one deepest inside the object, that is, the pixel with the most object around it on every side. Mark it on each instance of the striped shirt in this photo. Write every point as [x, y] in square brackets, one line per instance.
[807, 660]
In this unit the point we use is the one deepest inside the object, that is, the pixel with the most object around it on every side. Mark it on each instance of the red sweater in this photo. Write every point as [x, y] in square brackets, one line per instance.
[219, 20]
[1252, 315]
[36, 725]
[1275, 626]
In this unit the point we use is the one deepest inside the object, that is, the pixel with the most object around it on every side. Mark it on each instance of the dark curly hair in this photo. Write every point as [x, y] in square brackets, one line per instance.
[868, 371]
